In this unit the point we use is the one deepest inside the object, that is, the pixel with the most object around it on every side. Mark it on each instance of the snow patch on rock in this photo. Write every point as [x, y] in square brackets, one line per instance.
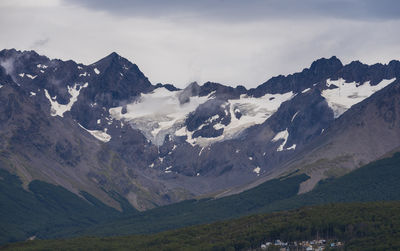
[100, 135]
[31, 76]
[293, 147]
[281, 135]
[41, 66]
[27, 75]
[59, 109]
[294, 116]
[346, 95]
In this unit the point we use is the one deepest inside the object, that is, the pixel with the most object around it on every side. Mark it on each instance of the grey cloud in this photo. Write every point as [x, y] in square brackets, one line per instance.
[239, 10]
[39, 43]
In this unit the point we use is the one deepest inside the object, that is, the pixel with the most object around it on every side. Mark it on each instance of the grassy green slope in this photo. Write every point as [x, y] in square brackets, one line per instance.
[362, 226]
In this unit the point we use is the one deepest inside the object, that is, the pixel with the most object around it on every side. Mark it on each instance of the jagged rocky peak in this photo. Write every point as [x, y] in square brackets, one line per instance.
[113, 59]
[118, 67]
[324, 66]
[21, 62]
[320, 70]
[116, 80]
[361, 73]
[193, 89]
[222, 91]
[169, 87]
[36, 73]
[6, 53]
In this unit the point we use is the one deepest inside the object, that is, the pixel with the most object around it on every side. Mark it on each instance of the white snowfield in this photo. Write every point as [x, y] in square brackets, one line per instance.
[100, 135]
[348, 94]
[254, 111]
[96, 71]
[59, 109]
[160, 113]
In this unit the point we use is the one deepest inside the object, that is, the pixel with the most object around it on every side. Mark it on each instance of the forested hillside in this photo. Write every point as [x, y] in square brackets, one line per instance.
[361, 226]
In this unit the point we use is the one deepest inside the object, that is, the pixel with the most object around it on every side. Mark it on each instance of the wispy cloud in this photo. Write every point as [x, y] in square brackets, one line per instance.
[39, 43]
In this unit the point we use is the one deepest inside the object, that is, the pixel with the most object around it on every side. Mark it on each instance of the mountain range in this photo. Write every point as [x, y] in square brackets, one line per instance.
[108, 137]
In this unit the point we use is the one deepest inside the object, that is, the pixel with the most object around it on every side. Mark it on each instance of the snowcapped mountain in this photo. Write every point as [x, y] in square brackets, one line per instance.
[107, 130]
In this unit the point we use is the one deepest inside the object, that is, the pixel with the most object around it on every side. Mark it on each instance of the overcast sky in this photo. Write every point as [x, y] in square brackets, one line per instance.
[228, 41]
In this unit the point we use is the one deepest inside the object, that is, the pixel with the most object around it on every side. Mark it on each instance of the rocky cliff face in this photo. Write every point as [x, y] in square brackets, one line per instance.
[105, 129]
